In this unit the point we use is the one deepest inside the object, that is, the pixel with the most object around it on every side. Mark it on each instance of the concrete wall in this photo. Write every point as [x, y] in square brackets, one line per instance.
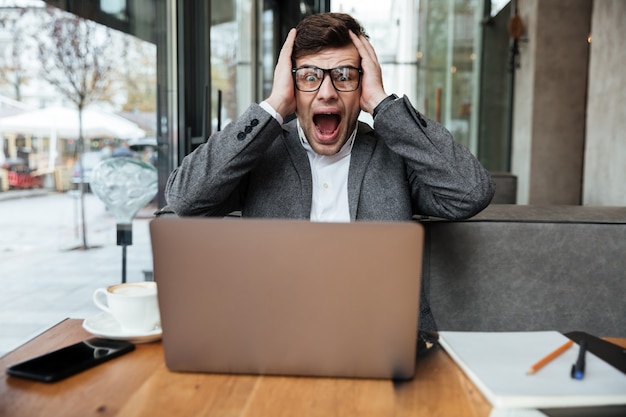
[550, 101]
[605, 158]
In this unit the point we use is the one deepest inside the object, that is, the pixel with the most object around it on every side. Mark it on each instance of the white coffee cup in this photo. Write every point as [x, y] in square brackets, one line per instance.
[134, 305]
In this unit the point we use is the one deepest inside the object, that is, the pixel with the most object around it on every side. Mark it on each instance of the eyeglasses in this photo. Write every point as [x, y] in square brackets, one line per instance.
[309, 79]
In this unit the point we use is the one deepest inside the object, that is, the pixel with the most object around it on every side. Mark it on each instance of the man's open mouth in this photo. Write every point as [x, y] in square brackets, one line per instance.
[326, 123]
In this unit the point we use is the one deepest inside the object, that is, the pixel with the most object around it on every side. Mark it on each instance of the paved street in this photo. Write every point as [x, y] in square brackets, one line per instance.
[44, 278]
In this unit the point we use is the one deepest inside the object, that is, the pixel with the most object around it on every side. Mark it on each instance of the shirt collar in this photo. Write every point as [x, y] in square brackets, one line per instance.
[345, 150]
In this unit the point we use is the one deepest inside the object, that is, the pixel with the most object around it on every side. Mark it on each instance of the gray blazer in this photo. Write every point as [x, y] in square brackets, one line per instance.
[407, 166]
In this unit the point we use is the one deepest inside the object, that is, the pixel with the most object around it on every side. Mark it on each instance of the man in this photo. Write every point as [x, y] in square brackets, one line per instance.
[325, 165]
[123, 151]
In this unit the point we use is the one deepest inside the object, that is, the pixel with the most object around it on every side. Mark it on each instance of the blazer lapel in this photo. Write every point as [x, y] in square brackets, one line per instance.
[300, 162]
[359, 159]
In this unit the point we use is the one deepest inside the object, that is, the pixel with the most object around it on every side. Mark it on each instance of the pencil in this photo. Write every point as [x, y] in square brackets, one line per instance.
[549, 358]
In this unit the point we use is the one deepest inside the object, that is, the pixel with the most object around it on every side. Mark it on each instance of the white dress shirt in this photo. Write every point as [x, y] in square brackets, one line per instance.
[330, 181]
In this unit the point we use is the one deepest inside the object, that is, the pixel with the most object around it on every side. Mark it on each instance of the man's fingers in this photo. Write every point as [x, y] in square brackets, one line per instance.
[282, 97]
[287, 49]
[365, 48]
[282, 72]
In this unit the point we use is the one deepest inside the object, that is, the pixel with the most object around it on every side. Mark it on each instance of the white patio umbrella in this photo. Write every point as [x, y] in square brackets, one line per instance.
[63, 123]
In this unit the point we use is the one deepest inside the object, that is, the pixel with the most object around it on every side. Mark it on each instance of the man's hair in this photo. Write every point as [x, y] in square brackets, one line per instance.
[325, 30]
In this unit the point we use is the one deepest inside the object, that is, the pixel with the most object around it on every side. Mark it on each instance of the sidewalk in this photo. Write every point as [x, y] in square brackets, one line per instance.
[15, 194]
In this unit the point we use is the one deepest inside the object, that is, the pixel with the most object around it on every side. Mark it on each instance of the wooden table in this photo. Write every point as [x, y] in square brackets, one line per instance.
[139, 384]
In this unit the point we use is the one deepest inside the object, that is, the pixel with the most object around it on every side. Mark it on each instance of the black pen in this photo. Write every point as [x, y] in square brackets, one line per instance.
[578, 369]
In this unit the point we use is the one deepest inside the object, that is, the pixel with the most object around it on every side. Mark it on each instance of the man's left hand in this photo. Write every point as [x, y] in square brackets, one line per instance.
[372, 90]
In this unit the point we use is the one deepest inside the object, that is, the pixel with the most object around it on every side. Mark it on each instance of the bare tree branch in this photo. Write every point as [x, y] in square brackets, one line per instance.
[74, 58]
[13, 68]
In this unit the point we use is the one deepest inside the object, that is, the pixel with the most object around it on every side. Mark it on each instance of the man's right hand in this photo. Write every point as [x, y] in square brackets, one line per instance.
[282, 98]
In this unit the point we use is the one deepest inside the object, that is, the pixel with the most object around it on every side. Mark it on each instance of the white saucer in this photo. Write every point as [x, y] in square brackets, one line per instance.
[104, 325]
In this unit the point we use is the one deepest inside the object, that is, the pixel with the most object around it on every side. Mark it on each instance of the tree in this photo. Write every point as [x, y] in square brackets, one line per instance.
[13, 68]
[137, 74]
[74, 56]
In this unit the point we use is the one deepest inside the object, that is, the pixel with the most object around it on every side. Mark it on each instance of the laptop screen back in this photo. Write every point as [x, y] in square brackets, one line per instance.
[288, 297]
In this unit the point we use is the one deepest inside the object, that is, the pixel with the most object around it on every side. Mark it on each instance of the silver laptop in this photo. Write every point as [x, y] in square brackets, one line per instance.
[288, 297]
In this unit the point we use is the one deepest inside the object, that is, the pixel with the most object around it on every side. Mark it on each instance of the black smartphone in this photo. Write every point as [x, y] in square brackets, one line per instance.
[70, 360]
